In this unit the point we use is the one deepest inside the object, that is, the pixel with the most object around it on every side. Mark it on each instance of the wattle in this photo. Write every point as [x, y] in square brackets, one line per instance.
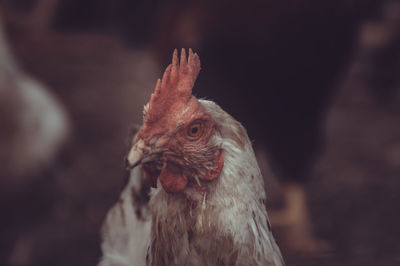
[172, 178]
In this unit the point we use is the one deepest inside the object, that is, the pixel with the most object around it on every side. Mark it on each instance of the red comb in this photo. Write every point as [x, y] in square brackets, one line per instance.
[176, 84]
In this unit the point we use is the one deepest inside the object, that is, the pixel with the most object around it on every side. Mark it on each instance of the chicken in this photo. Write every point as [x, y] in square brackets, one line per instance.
[207, 201]
[34, 125]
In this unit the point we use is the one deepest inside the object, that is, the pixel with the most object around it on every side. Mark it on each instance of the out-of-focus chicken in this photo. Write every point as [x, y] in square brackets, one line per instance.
[33, 128]
[33, 124]
[207, 205]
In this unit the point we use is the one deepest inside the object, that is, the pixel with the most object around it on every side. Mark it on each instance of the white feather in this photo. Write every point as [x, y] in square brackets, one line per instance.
[126, 237]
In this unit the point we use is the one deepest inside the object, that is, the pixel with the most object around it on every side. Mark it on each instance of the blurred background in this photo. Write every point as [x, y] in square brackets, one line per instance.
[316, 84]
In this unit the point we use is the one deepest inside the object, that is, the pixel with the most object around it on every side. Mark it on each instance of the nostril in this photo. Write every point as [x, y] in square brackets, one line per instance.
[153, 140]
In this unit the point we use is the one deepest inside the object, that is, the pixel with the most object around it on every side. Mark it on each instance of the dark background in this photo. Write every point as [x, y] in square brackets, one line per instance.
[314, 82]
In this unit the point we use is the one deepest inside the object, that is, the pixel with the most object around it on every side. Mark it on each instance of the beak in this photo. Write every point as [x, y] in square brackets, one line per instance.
[141, 153]
[136, 155]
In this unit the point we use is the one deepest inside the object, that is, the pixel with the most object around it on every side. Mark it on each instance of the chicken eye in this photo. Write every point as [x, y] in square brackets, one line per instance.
[194, 130]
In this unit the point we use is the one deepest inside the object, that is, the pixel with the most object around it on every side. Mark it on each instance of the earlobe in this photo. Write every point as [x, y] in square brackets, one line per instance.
[218, 166]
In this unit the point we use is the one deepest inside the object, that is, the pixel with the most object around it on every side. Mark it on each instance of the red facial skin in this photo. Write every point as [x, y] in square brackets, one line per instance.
[172, 134]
